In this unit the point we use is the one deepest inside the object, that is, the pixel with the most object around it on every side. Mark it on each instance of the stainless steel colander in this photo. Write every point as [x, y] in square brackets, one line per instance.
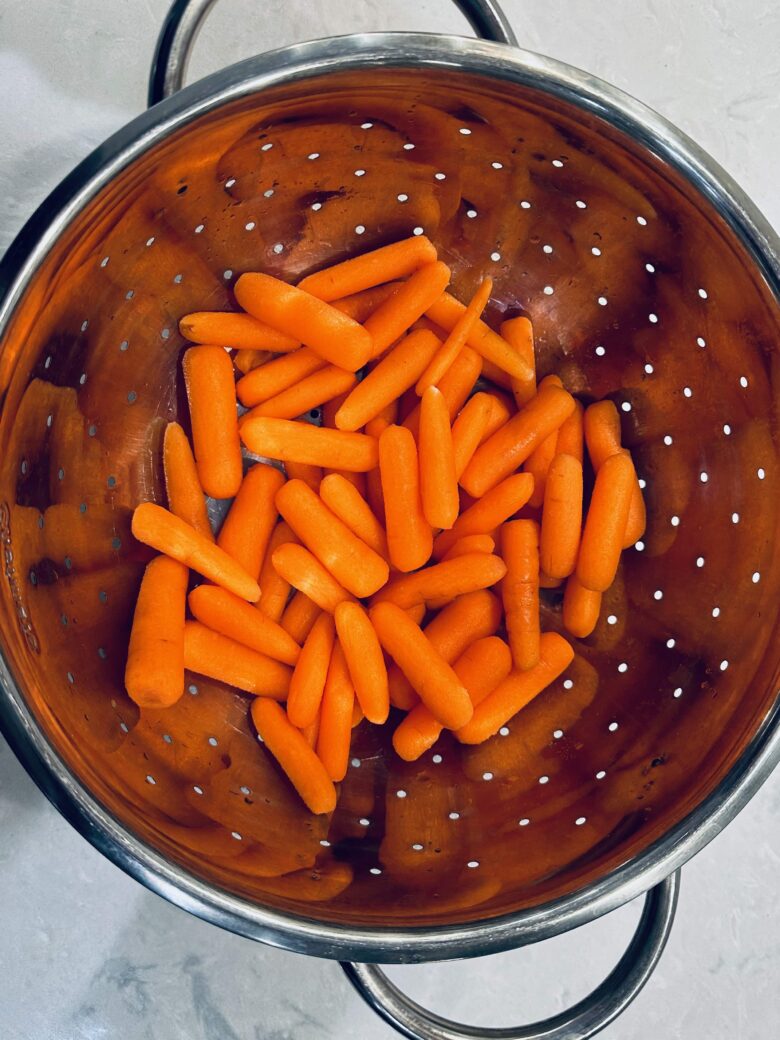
[650, 280]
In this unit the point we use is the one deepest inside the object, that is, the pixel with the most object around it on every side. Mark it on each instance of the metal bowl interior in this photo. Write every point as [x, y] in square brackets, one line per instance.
[640, 289]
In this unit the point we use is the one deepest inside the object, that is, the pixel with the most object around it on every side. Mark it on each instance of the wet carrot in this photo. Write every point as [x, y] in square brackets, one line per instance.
[392, 318]
[519, 334]
[456, 340]
[487, 513]
[571, 433]
[299, 617]
[559, 540]
[240, 331]
[299, 568]
[447, 311]
[470, 543]
[166, 533]
[602, 435]
[154, 673]
[308, 678]
[360, 305]
[398, 260]
[293, 753]
[223, 612]
[298, 314]
[409, 535]
[311, 475]
[275, 590]
[182, 486]
[469, 428]
[444, 580]
[262, 384]
[301, 442]
[219, 657]
[247, 528]
[365, 661]
[211, 392]
[605, 523]
[322, 385]
[343, 499]
[438, 482]
[520, 590]
[581, 608]
[336, 717]
[456, 385]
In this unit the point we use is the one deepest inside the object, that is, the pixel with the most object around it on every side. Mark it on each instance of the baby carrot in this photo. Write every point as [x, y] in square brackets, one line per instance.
[500, 413]
[480, 668]
[357, 713]
[336, 717]
[446, 312]
[519, 334]
[602, 436]
[386, 264]
[299, 568]
[296, 757]
[409, 535]
[261, 384]
[469, 428]
[317, 446]
[438, 483]
[456, 385]
[310, 393]
[394, 373]
[308, 678]
[393, 317]
[185, 495]
[520, 590]
[211, 392]
[605, 524]
[538, 466]
[311, 475]
[493, 374]
[223, 612]
[247, 527]
[570, 435]
[351, 562]
[310, 733]
[241, 331]
[299, 617]
[154, 674]
[221, 658]
[510, 446]
[444, 580]
[581, 608]
[402, 696]
[274, 589]
[343, 499]
[365, 661]
[456, 340]
[559, 540]
[546, 582]
[434, 680]
[247, 360]
[298, 314]
[166, 533]
[360, 305]
[487, 513]
[375, 428]
[517, 690]
[470, 543]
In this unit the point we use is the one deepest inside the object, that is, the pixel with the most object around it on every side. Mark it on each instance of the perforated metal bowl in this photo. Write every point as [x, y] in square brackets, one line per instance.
[650, 279]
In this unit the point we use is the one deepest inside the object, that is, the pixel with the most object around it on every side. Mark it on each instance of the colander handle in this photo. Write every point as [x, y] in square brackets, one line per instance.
[185, 18]
[583, 1020]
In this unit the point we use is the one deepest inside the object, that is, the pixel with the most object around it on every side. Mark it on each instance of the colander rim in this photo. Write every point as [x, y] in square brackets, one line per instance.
[364, 52]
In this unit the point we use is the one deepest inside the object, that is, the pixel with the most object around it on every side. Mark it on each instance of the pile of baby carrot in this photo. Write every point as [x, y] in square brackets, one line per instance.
[358, 577]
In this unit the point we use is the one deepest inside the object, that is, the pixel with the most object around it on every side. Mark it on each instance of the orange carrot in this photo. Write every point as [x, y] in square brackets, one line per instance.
[393, 317]
[375, 428]
[395, 372]
[301, 442]
[308, 679]
[298, 314]
[223, 612]
[493, 374]
[438, 482]
[185, 495]
[546, 582]
[487, 513]
[519, 334]
[538, 465]
[261, 384]
[311, 732]
[402, 696]
[417, 612]
[456, 385]
[480, 668]
[360, 305]
[299, 617]
[456, 340]
[409, 535]
[517, 690]
[561, 517]
[501, 411]
[605, 524]
[241, 331]
[386, 264]
[275, 590]
[434, 680]
[247, 360]
[154, 674]
[211, 391]
[352, 563]
[291, 750]
[247, 527]
[470, 543]
[299, 568]
[513, 443]
[602, 435]
[221, 658]
[322, 385]
[469, 428]
[570, 434]
[311, 475]
[166, 533]
[365, 661]
[336, 717]
[357, 713]
[581, 608]
[447, 311]
[520, 590]
[343, 499]
[444, 580]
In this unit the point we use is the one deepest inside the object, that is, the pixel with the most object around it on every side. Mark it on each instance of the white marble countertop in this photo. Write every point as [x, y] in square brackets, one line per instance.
[85, 952]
